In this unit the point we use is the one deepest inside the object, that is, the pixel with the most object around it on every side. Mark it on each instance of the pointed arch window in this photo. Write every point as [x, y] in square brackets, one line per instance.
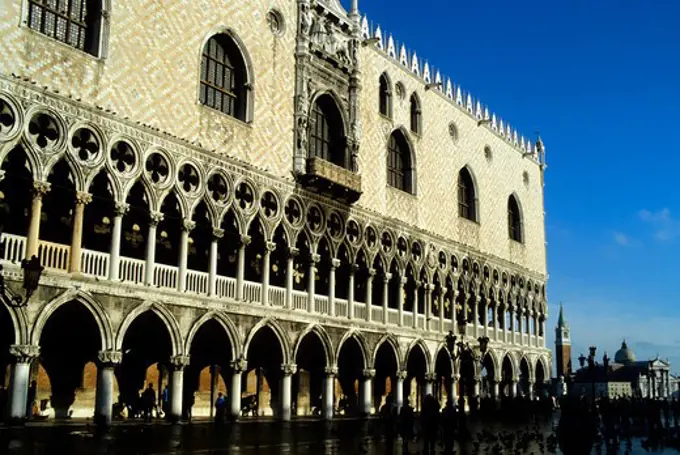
[514, 219]
[385, 96]
[399, 163]
[416, 115]
[326, 132]
[467, 196]
[224, 84]
[77, 23]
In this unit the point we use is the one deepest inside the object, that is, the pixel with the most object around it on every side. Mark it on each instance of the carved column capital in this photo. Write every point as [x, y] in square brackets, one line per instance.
[335, 263]
[218, 233]
[402, 374]
[188, 225]
[455, 377]
[371, 273]
[83, 198]
[293, 252]
[244, 241]
[110, 358]
[315, 258]
[418, 284]
[387, 277]
[239, 365]
[179, 362]
[368, 373]
[269, 247]
[120, 208]
[354, 268]
[155, 218]
[41, 188]
[331, 371]
[444, 291]
[430, 377]
[24, 353]
[403, 279]
[288, 369]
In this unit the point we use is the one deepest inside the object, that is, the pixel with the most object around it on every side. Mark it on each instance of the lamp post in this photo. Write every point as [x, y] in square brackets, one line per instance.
[31, 267]
[461, 349]
[591, 367]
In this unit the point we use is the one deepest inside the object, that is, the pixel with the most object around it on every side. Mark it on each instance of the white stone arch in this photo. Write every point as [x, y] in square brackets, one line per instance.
[238, 216]
[513, 364]
[547, 371]
[391, 341]
[420, 344]
[495, 362]
[148, 191]
[19, 324]
[76, 171]
[181, 199]
[166, 317]
[15, 106]
[212, 213]
[280, 334]
[34, 163]
[249, 82]
[339, 105]
[85, 299]
[441, 347]
[530, 366]
[405, 132]
[365, 354]
[116, 190]
[225, 322]
[322, 335]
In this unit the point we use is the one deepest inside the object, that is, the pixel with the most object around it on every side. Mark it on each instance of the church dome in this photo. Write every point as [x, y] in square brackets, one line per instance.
[624, 355]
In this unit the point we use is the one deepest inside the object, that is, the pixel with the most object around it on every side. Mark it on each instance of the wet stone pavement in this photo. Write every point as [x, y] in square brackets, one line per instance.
[342, 437]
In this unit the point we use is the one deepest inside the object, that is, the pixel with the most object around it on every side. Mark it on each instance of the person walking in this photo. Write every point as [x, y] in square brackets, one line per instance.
[449, 422]
[389, 421]
[149, 402]
[220, 408]
[406, 421]
[429, 424]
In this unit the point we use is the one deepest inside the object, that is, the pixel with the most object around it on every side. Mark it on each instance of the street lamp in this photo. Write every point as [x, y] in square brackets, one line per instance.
[31, 267]
[463, 350]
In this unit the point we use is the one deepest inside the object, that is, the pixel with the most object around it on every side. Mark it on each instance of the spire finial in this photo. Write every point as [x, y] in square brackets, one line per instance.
[560, 318]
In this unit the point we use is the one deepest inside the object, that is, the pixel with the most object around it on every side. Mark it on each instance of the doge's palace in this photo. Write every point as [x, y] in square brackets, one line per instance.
[270, 199]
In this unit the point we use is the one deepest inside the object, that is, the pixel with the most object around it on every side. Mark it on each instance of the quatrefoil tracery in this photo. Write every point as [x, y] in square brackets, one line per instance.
[353, 232]
[123, 157]
[386, 242]
[315, 219]
[7, 118]
[157, 168]
[371, 237]
[44, 130]
[402, 247]
[293, 212]
[245, 196]
[85, 144]
[188, 178]
[269, 204]
[218, 188]
[335, 225]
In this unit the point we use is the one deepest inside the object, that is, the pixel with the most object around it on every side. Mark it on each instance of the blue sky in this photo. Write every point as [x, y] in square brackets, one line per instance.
[601, 81]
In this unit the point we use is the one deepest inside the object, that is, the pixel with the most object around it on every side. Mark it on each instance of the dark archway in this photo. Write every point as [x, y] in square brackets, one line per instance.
[360, 278]
[255, 251]
[147, 348]
[350, 370]
[323, 268]
[56, 220]
[200, 239]
[136, 223]
[524, 378]
[209, 372]
[98, 216]
[17, 186]
[326, 133]
[7, 339]
[416, 369]
[301, 262]
[378, 289]
[444, 372]
[279, 259]
[308, 380]
[69, 345]
[541, 390]
[488, 377]
[342, 273]
[386, 365]
[265, 357]
[169, 231]
[227, 251]
[507, 377]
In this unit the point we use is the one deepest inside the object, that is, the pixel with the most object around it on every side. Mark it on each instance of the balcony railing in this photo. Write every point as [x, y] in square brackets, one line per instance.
[332, 179]
[132, 271]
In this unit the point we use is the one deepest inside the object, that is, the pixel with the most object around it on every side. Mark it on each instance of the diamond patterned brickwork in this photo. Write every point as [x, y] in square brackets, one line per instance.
[151, 76]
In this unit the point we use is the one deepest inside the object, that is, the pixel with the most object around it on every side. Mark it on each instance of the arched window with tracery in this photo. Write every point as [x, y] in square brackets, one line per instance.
[467, 196]
[224, 84]
[326, 133]
[416, 115]
[514, 219]
[385, 96]
[399, 163]
[77, 23]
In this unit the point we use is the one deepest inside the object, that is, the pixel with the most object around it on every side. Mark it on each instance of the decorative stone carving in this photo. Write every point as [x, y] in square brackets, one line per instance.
[288, 369]
[120, 208]
[155, 218]
[179, 362]
[83, 198]
[402, 374]
[239, 365]
[331, 371]
[368, 373]
[24, 353]
[110, 358]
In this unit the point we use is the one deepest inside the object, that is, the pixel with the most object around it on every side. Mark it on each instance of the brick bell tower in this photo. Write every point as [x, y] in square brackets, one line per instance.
[562, 346]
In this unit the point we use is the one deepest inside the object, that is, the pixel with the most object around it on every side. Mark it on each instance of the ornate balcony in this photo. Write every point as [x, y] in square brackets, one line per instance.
[337, 182]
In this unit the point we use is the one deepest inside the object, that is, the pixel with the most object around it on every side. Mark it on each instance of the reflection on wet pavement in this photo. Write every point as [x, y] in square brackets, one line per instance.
[348, 437]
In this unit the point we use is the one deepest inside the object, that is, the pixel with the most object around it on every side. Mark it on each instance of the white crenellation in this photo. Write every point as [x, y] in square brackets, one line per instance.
[447, 88]
[391, 49]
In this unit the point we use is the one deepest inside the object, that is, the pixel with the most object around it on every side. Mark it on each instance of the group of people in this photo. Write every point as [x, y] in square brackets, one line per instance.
[144, 405]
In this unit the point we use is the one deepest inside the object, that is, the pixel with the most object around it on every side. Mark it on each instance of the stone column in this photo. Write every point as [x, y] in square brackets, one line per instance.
[367, 391]
[286, 382]
[238, 367]
[400, 299]
[530, 385]
[328, 389]
[453, 309]
[311, 281]
[399, 395]
[495, 390]
[187, 227]
[369, 294]
[178, 364]
[475, 315]
[442, 293]
[513, 388]
[75, 257]
[244, 241]
[154, 219]
[415, 303]
[290, 272]
[429, 287]
[18, 392]
[108, 360]
[454, 387]
[430, 379]
[119, 211]
[40, 189]
[335, 263]
[386, 296]
[350, 292]
[269, 247]
[218, 234]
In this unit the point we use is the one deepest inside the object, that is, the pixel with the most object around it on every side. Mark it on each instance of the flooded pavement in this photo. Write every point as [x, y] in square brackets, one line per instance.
[341, 437]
